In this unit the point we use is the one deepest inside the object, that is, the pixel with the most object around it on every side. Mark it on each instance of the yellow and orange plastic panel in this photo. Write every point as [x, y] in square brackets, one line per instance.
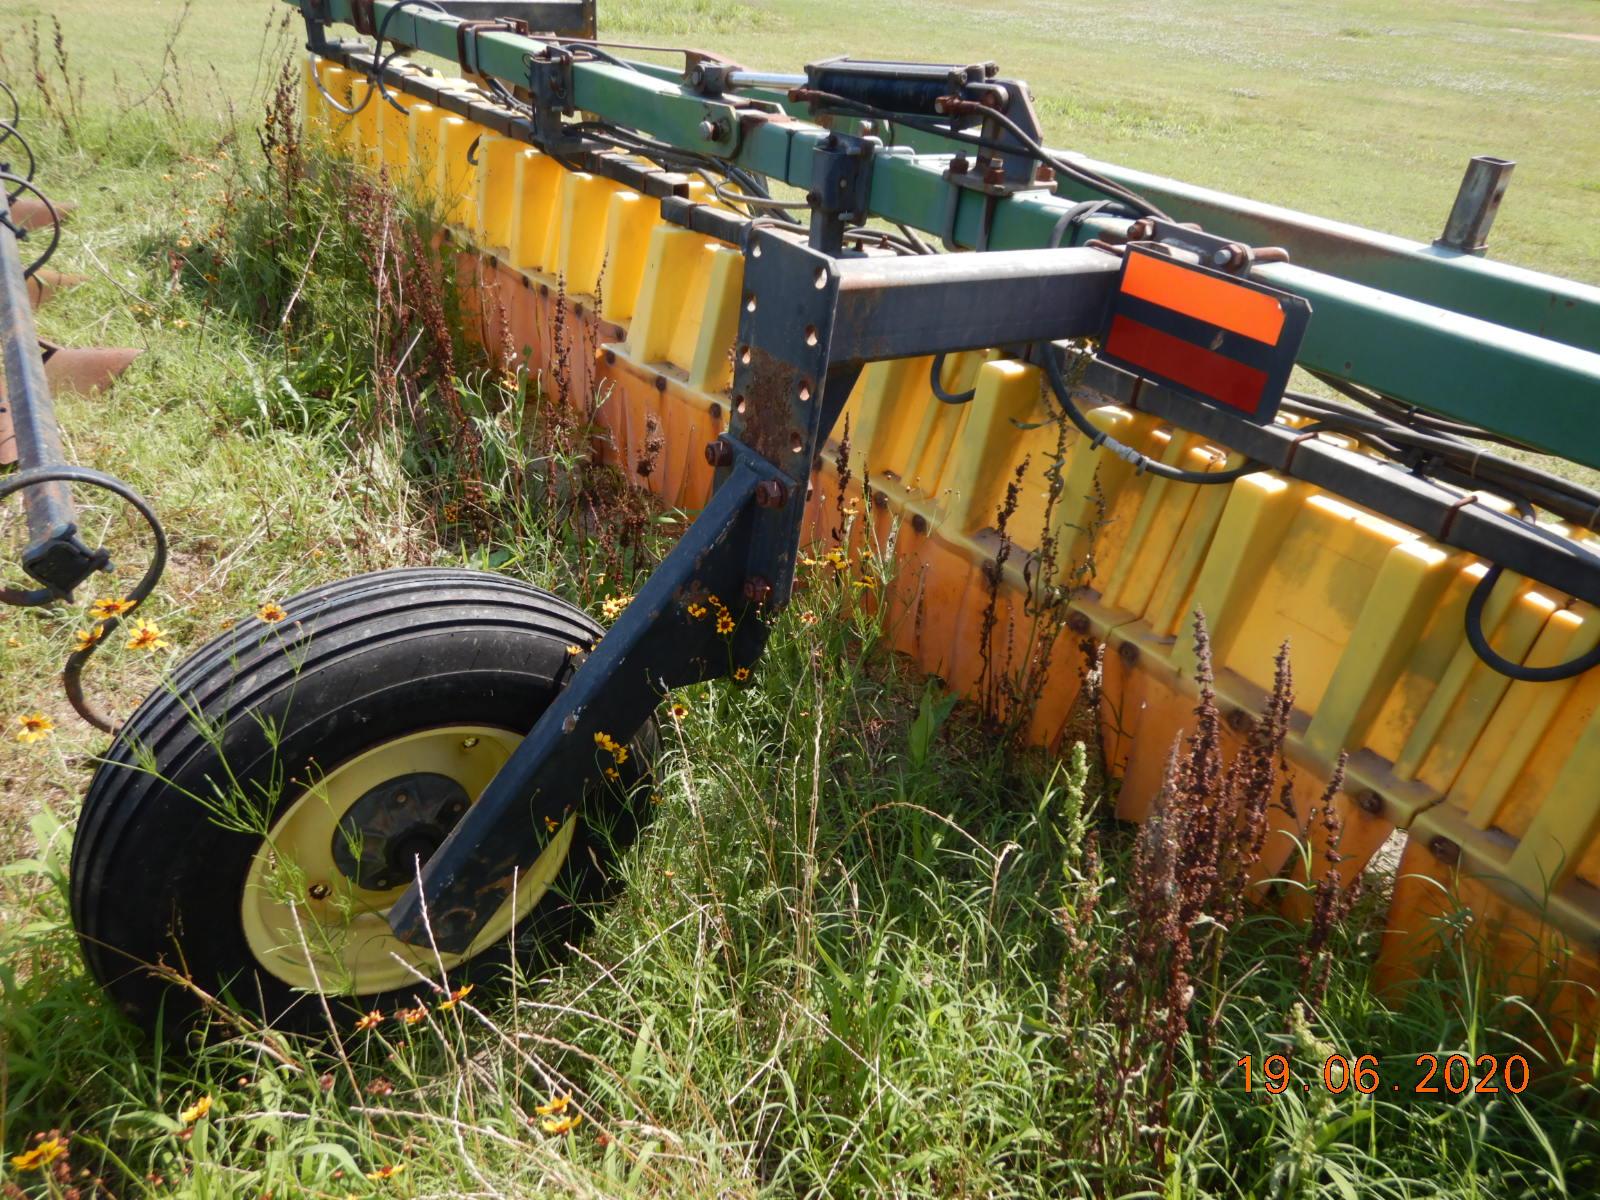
[1494, 780]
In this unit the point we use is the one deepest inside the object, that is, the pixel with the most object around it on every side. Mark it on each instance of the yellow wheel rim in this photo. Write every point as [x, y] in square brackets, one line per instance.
[315, 928]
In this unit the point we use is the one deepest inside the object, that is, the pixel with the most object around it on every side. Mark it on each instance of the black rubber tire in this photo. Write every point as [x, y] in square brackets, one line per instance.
[155, 878]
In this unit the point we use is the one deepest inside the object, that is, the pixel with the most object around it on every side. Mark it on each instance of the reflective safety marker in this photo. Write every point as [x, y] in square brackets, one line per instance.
[1224, 340]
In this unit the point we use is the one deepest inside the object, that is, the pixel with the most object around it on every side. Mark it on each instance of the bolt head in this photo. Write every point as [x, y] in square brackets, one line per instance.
[770, 493]
[708, 131]
[719, 454]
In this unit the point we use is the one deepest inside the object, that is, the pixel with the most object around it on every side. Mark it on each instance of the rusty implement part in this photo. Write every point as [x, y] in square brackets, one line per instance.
[84, 369]
[30, 214]
[45, 283]
[8, 435]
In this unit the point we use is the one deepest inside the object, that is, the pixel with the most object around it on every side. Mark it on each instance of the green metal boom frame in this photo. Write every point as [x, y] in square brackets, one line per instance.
[1510, 350]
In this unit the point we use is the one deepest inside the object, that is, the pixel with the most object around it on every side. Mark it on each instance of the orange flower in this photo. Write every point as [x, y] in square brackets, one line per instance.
[43, 1154]
[35, 727]
[411, 1016]
[724, 623]
[457, 996]
[371, 1021]
[271, 613]
[195, 1111]
[84, 638]
[106, 607]
[740, 674]
[696, 611]
[808, 618]
[146, 636]
[386, 1173]
[613, 773]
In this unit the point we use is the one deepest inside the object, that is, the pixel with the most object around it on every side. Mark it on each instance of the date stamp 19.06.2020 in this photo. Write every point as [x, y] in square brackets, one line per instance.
[1430, 1074]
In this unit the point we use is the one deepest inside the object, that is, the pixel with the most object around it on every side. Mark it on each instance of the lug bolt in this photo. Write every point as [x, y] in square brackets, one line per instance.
[770, 493]
[1045, 175]
[402, 798]
[719, 454]
[1370, 802]
[996, 174]
[757, 590]
[319, 891]
[708, 131]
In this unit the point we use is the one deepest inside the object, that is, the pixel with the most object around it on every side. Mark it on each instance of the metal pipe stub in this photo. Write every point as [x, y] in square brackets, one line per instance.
[55, 556]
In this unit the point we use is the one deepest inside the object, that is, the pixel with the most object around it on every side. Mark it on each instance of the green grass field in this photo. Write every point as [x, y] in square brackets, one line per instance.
[866, 948]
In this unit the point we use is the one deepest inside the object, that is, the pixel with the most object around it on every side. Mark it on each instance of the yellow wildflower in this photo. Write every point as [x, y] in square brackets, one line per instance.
[106, 607]
[613, 773]
[411, 1016]
[35, 728]
[613, 607]
[697, 611]
[574, 649]
[560, 1125]
[808, 618]
[556, 1104]
[724, 623]
[371, 1021]
[741, 674]
[271, 613]
[84, 638]
[43, 1154]
[606, 742]
[551, 824]
[679, 712]
[457, 996]
[384, 1173]
[195, 1111]
[712, 600]
[146, 636]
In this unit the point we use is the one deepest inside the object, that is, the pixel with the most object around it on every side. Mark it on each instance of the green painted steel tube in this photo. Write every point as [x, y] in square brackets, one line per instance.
[1470, 339]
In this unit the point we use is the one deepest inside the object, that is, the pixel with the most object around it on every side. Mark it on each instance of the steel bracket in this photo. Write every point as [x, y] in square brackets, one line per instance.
[809, 322]
[467, 39]
[841, 188]
[1194, 244]
[550, 83]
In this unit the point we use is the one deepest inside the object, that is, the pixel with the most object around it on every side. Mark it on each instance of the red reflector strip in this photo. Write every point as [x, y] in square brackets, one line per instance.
[1204, 297]
[1226, 380]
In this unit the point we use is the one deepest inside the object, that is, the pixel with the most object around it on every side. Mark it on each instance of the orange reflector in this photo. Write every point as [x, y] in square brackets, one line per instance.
[1223, 339]
[1209, 298]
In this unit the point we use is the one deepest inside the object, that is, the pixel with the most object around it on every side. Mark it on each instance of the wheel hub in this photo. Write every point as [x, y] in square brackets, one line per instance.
[394, 826]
